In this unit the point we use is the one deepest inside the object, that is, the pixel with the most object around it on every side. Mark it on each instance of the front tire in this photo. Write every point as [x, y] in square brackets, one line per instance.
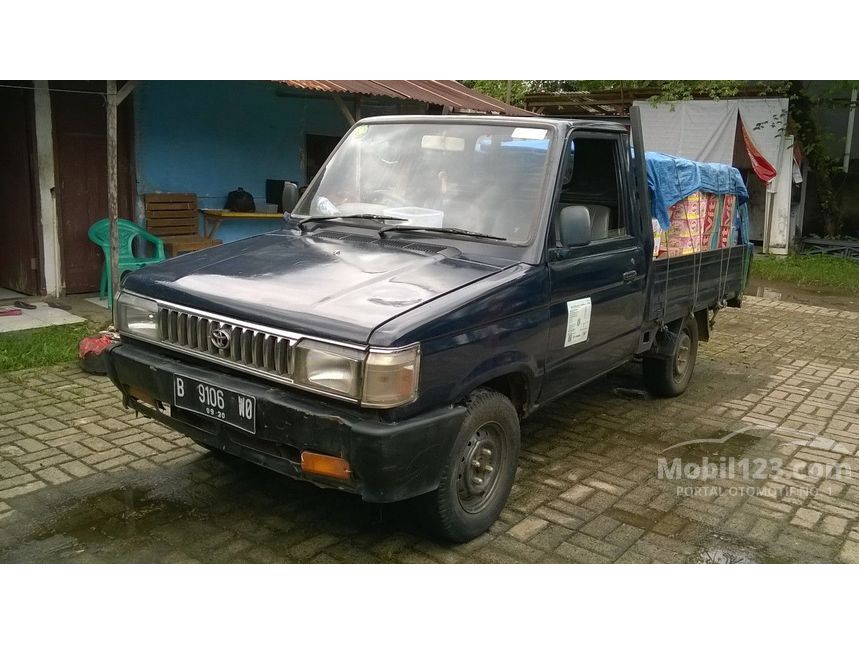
[669, 376]
[480, 470]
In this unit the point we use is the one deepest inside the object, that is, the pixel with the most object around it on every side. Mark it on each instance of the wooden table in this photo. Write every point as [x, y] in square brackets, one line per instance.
[212, 218]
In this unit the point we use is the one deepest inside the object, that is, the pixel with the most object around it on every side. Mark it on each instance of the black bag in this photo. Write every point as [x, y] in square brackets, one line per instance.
[240, 201]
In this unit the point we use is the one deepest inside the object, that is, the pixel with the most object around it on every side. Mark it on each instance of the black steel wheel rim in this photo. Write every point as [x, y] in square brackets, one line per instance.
[479, 466]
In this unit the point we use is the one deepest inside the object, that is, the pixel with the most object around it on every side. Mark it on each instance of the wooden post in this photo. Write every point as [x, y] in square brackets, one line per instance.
[344, 110]
[113, 208]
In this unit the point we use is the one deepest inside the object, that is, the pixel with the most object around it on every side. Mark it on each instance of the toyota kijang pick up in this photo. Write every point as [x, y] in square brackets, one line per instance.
[439, 280]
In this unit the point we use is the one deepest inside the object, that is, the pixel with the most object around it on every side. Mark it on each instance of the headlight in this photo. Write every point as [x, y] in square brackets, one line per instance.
[378, 379]
[328, 368]
[391, 377]
[137, 316]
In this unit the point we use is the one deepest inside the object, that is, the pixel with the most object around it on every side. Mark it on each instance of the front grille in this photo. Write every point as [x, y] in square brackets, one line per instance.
[246, 347]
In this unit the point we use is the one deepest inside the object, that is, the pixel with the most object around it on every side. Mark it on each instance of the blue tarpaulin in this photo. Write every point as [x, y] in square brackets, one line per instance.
[671, 179]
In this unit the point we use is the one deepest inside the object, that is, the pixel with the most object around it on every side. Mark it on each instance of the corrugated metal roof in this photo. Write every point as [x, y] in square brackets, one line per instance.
[447, 93]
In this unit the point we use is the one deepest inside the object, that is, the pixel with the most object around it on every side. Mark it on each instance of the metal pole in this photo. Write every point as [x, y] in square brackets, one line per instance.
[113, 208]
[768, 209]
[802, 206]
[849, 136]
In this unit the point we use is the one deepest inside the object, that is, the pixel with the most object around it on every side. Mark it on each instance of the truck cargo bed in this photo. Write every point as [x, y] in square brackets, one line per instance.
[696, 281]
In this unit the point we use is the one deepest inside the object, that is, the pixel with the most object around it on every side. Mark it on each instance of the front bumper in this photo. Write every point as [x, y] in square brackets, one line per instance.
[388, 461]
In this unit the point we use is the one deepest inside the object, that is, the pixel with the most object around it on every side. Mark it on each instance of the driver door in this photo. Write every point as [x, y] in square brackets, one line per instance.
[598, 289]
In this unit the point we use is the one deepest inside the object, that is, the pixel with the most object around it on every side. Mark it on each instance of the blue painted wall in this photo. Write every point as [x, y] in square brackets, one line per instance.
[209, 137]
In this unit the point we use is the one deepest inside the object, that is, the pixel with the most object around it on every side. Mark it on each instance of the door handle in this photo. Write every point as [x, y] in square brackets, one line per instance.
[629, 276]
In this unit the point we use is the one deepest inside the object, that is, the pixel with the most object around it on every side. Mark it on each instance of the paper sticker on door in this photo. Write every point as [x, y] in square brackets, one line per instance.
[578, 321]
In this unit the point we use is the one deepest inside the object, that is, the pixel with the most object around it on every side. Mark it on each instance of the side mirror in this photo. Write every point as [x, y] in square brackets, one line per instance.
[575, 226]
[290, 196]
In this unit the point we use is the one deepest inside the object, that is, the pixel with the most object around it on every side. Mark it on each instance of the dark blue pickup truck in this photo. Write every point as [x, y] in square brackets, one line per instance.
[440, 279]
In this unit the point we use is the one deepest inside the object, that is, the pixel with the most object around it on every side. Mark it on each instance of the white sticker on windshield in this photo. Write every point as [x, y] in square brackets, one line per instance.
[528, 133]
[578, 321]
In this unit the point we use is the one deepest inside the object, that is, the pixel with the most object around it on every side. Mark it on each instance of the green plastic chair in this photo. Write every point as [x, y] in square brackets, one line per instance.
[99, 234]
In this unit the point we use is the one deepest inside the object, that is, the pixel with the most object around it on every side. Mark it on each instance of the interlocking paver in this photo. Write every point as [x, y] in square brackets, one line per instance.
[833, 525]
[82, 480]
[77, 469]
[527, 528]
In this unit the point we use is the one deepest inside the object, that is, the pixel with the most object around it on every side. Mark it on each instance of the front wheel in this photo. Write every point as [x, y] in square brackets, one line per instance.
[480, 471]
[669, 375]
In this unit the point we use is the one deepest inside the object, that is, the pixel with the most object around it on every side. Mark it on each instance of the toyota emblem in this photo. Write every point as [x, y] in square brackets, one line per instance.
[220, 338]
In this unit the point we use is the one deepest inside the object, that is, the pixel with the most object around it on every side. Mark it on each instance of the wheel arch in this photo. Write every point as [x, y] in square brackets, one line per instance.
[518, 385]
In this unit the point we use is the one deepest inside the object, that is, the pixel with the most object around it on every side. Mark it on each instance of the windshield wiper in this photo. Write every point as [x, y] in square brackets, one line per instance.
[326, 218]
[439, 229]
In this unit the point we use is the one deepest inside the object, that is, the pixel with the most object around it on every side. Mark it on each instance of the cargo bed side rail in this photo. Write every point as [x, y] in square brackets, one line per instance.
[686, 284]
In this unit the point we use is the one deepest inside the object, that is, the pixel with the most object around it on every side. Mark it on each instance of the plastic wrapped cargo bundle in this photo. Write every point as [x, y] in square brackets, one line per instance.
[699, 222]
[695, 206]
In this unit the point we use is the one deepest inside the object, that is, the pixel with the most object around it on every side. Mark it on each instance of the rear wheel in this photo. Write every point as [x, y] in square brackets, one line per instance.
[480, 471]
[670, 375]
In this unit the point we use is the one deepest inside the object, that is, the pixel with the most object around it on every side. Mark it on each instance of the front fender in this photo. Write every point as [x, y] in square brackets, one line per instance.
[469, 337]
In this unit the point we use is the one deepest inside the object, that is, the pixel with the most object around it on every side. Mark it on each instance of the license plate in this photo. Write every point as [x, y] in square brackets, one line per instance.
[227, 406]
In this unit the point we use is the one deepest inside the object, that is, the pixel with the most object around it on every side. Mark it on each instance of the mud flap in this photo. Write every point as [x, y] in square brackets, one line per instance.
[664, 343]
[704, 325]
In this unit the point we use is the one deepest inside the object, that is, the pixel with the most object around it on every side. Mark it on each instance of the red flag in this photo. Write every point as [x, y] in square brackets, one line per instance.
[760, 165]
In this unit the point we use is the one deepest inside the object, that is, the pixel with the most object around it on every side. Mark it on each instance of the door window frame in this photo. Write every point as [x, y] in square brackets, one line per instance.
[557, 252]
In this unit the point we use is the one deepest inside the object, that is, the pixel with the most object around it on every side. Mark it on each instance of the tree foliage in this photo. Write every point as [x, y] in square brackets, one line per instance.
[663, 90]
[499, 90]
[803, 123]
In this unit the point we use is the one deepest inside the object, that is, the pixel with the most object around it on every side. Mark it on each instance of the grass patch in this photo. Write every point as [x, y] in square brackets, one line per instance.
[808, 271]
[42, 346]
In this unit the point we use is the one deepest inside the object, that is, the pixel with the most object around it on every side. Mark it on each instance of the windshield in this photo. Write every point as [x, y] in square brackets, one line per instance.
[488, 179]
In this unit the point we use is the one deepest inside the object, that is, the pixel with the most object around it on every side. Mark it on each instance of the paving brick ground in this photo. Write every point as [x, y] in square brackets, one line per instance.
[82, 480]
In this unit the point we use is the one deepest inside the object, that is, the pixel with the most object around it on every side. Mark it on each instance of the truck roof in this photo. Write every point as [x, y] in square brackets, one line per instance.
[524, 121]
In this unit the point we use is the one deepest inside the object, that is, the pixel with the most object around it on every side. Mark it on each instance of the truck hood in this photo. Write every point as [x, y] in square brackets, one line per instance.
[329, 284]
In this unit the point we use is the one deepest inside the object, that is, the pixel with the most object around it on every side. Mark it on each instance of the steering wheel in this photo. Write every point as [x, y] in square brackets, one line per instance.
[388, 196]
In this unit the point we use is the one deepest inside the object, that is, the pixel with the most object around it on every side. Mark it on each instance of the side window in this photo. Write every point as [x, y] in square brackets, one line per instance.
[591, 179]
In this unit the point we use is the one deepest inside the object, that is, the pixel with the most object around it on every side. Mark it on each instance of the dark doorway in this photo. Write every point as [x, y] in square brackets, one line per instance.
[317, 149]
[19, 251]
[80, 153]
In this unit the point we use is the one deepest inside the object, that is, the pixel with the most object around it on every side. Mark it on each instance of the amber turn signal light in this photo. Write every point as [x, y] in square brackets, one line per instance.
[316, 464]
